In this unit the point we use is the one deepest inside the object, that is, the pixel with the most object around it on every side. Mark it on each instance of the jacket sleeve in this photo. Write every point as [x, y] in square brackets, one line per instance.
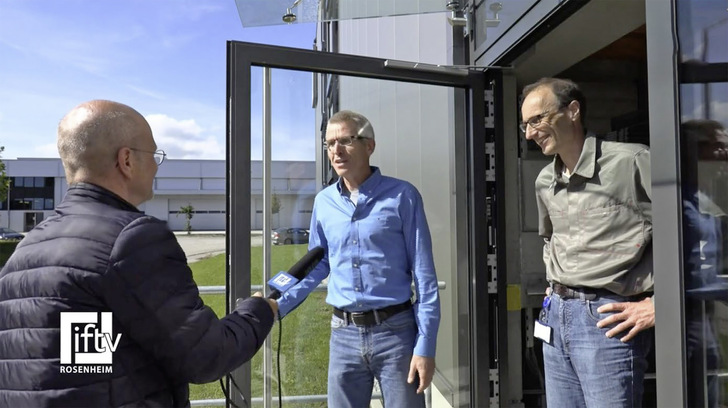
[150, 290]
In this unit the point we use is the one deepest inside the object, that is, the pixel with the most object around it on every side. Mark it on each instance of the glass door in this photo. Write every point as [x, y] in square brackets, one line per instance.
[430, 130]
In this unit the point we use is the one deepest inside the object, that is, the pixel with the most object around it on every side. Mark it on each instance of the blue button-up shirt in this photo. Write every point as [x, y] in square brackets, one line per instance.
[374, 250]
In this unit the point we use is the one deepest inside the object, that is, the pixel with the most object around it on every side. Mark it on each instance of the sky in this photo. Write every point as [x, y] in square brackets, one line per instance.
[165, 58]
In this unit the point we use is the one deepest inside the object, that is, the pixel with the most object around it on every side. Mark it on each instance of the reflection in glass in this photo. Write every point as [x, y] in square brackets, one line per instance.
[702, 30]
[703, 142]
[255, 13]
[494, 18]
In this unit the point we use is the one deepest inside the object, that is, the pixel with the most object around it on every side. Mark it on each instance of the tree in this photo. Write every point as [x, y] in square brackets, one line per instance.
[275, 205]
[4, 180]
[189, 212]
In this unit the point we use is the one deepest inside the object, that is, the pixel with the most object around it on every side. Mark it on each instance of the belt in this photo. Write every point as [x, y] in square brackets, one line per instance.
[372, 317]
[574, 293]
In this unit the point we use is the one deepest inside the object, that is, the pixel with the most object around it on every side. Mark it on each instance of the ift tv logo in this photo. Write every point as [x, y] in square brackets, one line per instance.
[87, 342]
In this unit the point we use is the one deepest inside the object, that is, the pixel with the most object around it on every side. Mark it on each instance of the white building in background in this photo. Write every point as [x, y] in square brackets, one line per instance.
[39, 184]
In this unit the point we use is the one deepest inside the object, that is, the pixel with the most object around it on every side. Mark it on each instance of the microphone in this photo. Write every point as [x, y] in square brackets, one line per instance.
[284, 281]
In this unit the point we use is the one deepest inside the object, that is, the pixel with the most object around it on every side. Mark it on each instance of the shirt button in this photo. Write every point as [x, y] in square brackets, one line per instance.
[356, 265]
[353, 242]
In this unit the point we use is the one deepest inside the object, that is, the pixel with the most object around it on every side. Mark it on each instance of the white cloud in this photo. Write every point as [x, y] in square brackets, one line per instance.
[185, 139]
[46, 150]
[146, 92]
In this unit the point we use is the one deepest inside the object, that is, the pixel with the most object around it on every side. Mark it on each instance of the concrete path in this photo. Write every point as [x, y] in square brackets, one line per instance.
[204, 244]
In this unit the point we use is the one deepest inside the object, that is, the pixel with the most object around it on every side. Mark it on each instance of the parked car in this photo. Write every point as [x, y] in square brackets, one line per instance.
[289, 236]
[8, 234]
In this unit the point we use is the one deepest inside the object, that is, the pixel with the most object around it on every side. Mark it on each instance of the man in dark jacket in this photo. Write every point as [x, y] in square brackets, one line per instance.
[100, 254]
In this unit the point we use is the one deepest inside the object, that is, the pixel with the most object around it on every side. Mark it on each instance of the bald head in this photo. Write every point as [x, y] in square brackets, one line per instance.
[92, 133]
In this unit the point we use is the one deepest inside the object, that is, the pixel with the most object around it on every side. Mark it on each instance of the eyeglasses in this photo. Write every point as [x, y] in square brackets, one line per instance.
[159, 155]
[536, 120]
[343, 141]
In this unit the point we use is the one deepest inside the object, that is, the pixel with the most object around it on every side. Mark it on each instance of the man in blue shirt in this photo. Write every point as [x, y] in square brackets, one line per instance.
[377, 242]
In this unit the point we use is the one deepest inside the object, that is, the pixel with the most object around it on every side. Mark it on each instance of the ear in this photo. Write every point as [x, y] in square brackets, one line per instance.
[371, 144]
[574, 110]
[124, 162]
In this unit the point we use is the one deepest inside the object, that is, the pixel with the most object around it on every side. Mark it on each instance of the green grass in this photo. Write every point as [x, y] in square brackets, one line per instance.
[305, 346]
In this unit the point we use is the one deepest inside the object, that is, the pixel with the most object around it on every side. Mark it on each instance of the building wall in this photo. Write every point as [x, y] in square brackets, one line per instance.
[200, 183]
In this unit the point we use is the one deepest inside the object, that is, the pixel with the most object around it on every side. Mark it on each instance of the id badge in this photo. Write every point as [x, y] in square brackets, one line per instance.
[543, 332]
[541, 329]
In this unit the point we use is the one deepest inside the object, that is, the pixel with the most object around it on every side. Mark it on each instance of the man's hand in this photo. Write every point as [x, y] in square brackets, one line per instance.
[273, 304]
[635, 315]
[425, 368]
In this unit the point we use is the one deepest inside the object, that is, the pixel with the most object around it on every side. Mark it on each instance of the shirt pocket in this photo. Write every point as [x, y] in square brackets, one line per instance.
[614, 228]
[559, 220]
[388, 222]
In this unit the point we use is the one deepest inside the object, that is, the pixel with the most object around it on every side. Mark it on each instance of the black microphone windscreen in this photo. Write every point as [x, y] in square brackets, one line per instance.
[308, 262]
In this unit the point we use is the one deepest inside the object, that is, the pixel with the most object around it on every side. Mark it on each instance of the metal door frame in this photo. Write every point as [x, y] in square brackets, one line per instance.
[241, 57]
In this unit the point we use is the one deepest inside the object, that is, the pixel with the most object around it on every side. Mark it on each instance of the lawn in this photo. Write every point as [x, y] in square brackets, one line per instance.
[305, 346]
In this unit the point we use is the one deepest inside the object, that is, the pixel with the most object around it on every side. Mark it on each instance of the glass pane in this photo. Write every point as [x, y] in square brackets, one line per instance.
[415, 142]
[274, 12]
[293, 186]
[703, 28]
[493, 18]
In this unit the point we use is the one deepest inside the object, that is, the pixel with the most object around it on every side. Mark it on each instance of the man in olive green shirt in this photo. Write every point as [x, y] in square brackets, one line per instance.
[595, 214]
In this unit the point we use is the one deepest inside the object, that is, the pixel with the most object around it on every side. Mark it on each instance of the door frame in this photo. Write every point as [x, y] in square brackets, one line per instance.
[241, 57]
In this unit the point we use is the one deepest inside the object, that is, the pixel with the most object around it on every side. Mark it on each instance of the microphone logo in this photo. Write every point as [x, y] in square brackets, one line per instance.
[282, 282]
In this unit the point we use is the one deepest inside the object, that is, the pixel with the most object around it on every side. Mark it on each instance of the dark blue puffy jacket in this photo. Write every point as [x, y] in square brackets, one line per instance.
[98, 253]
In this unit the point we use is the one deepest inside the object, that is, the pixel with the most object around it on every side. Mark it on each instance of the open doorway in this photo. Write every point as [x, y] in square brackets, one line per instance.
[611, 69]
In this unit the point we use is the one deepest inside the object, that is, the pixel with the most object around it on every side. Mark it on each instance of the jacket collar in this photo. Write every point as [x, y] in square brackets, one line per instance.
[100, 194]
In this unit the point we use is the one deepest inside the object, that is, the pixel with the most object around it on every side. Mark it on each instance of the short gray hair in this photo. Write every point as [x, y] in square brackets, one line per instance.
[90, 136]
[357, 120]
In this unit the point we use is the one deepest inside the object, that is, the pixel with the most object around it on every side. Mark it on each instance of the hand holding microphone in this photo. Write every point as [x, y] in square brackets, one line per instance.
[273, 304]
[284, 281]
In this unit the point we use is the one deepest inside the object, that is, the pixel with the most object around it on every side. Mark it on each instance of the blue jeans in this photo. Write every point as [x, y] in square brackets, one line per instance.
[583, 367]
[357, 355]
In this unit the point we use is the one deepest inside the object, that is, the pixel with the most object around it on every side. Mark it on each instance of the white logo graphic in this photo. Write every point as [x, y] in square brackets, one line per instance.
[87, 342]
[282, 280]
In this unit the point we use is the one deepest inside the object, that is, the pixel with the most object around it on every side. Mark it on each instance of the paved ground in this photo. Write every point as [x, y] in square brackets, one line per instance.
[199, 245]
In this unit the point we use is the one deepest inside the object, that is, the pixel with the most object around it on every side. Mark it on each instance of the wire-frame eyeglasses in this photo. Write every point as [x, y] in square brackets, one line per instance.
[159, 155]
[343, 141]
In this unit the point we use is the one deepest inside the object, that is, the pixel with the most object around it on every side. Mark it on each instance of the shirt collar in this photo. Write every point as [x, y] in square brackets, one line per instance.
[586, 164]
[367, 186]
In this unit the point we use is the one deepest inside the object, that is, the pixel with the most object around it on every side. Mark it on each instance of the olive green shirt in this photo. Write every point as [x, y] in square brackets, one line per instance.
[597, 222]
